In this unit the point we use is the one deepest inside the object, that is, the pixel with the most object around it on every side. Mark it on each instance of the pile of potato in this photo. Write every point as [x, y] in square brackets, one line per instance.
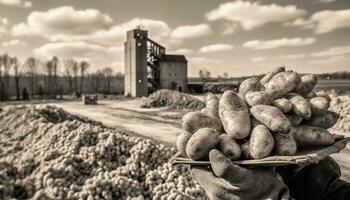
[47, 153]
[276, 115]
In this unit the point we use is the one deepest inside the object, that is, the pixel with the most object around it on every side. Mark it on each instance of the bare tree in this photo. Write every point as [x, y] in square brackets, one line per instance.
[1, 79]
[108, 74]
[54, 63]
[31, 68]
[7, 63]
[204, 74]
[17, 74]
[225, 75]
[75, 71]
[83, 68]
[69, 66]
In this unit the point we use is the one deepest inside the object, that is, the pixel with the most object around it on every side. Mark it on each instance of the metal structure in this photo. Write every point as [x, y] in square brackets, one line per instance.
[143, 59]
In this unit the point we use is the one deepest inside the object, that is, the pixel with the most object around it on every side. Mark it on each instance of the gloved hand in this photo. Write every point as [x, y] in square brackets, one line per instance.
[227, 181]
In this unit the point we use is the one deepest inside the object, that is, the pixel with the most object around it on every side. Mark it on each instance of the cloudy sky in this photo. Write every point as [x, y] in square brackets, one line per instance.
[238, 37]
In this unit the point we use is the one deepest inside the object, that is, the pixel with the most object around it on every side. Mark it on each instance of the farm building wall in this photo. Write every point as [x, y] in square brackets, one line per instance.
[173, 75]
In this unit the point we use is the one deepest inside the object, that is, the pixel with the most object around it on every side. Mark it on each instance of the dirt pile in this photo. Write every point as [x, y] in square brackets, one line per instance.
[47, 153]
[174, 100]
[341, 105]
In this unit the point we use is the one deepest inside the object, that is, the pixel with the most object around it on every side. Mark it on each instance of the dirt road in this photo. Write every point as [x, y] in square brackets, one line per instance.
[127, 115]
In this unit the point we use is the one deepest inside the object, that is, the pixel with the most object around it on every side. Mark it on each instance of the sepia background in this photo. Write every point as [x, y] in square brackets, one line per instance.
[70, 129]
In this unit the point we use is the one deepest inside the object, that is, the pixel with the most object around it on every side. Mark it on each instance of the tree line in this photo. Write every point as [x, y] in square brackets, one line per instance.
[53, 78]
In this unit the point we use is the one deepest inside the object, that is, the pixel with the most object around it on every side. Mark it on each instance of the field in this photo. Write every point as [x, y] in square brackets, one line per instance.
[55, 138]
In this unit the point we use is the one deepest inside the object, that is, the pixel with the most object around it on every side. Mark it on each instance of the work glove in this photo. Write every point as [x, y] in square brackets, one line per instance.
[225, 181]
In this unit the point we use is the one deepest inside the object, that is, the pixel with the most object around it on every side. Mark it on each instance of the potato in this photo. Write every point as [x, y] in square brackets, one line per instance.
[322, 93]
[319, 105]
[250, 84]
[294, 119]
[234, 115]
[270, 74]
[245, 149]
[285, 144]
[258, 97]
[261, 142]
[310, 95]
[272, 117]
[283, 104]
[212, 105]
[326, 120]
[229, 147]
[193, 121]
[306, 85]
[201, 142]
[282, 83]
[204, 110]
[181, 142]
[311, 136]
[301, 106]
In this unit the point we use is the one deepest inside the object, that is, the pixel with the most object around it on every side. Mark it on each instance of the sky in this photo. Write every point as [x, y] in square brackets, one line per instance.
[238, 37]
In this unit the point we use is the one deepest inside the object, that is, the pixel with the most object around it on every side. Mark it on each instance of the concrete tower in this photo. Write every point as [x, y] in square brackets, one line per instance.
[135, 52]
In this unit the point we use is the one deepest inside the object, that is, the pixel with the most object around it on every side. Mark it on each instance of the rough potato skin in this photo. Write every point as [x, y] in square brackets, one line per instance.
[201, 142]
[258, 97]
[245, 149]
[301, 106]
[307, 136]
[295, 120]
[250, 84]
[319, 105]
[310, 95]
[285, 144]
[306, 85]
[193, 121]
[234, 115]
[326, 120]
[261, 142]
[270, 74]
[282, 83]
[229, 147]
[212, 105]
[283, 104]
[271, 117]
[181, 142]
[322, 93]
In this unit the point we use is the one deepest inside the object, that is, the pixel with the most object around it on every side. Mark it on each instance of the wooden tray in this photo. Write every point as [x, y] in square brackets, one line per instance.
[302, 157]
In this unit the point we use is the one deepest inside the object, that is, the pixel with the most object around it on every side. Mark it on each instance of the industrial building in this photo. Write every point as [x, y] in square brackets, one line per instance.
[148, 67]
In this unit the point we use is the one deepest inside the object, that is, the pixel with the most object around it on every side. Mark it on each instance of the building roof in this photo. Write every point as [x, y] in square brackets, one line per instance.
[173, 58]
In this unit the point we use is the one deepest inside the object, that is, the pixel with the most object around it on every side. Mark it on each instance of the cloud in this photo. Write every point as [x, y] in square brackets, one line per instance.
[258, 59]
[216, 48]
[4, 22]
[186, 32]
[326, 1]
[181, 51]
[79, 50]
[335, 60]
[68, 24]
[293, 56]
[284, 42]
[16, 3]
[333, 51]
[63, 21]
[14, 42]
[324, 21]
[251, 15]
